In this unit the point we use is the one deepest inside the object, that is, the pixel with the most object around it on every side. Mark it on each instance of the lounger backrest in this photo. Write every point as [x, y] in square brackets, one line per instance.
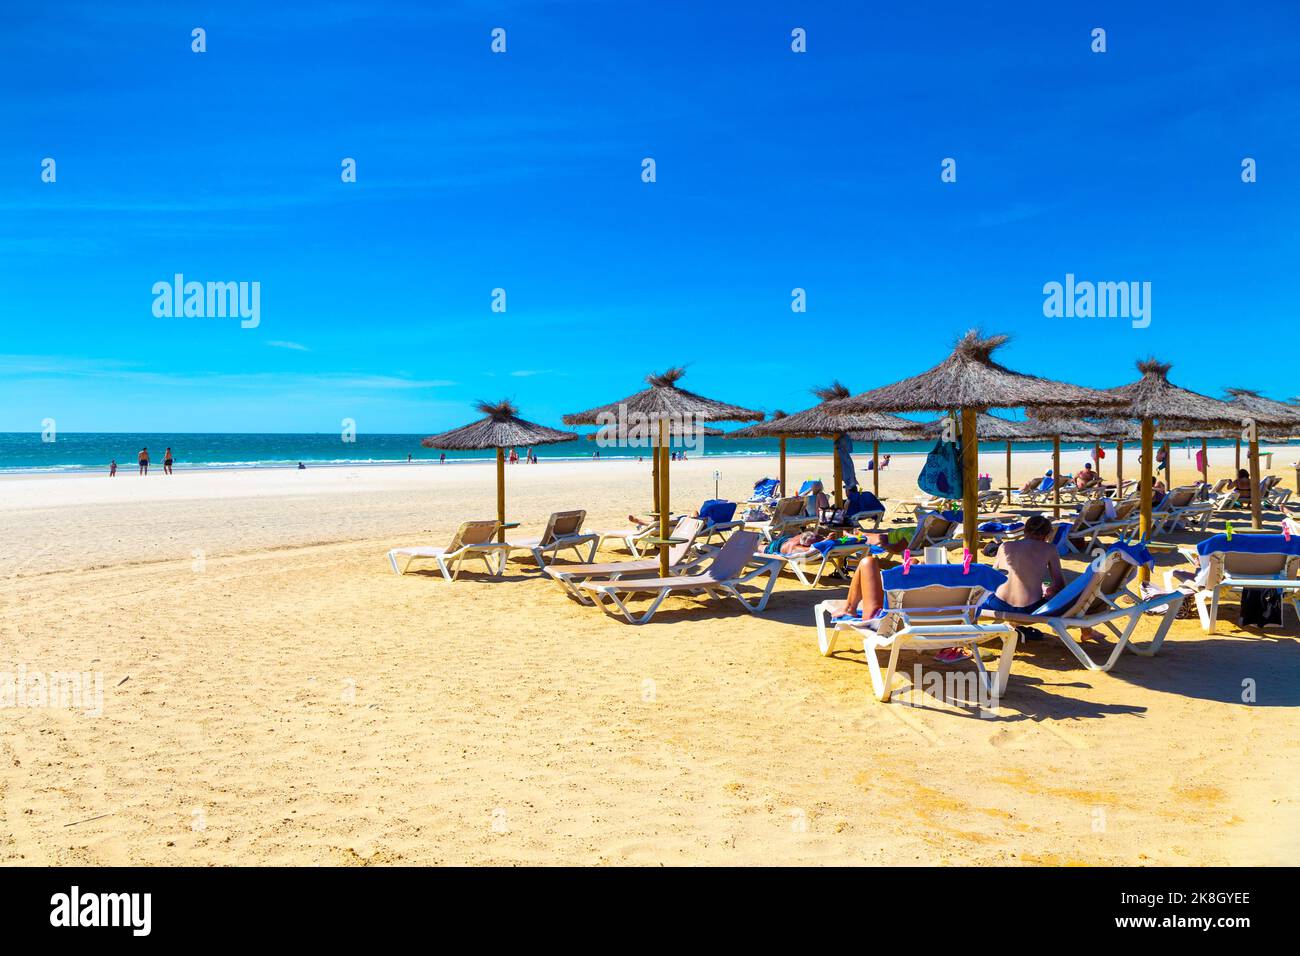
[1114, 575]
[933, 528]
[1126, 508]
[1179, 498]
[951, 605]
[1240, 562]
[688, 529]
[563, 524]
[473, 532]
[790, 507]
[1090, 513]
[1035, 483]
[733, 556]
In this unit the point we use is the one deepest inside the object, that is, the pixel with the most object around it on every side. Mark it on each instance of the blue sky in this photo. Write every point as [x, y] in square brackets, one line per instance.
[522, 171]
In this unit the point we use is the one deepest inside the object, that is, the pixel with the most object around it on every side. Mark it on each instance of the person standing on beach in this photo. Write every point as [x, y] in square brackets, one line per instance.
[167, 462]
[143, 458]
[112, 468]
[442, 459]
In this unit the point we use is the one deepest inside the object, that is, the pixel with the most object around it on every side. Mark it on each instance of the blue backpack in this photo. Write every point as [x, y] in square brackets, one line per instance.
[941, 474]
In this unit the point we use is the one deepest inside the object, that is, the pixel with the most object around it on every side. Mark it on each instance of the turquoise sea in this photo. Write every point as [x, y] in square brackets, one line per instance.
[92, 451]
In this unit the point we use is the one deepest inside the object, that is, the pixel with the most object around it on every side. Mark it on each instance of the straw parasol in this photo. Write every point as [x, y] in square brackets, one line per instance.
[822, 421]
[1153, 398]
[500, 428]
[670, 409]
[970, 381]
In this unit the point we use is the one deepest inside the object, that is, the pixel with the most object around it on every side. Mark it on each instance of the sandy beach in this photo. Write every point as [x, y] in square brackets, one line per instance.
[274, 694]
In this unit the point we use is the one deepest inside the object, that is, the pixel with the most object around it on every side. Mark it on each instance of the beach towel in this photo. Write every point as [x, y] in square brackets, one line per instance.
[1001, 527]
[717, 511]
[941, 473]
[860, 501]
[948, 575]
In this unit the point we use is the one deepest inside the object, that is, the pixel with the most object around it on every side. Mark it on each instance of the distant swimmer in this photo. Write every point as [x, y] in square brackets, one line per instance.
[112, 468]
[301, 466]
[143, 458]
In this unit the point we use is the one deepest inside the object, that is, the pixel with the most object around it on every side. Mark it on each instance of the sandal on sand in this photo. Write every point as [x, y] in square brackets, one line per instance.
[1030, 634]
[951, 655]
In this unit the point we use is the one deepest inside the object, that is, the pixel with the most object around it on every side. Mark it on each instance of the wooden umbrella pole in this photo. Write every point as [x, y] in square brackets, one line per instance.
[654, 472]
[1144, 526]
[501, 495]
[1238, 467]
[1169, 467]
[1256, 506]
[1205, 462]
[1010, 488]
[663, 497]
[1119, 468]
[1056, 476]
[875, 469]
[784, 493]
[970, 450]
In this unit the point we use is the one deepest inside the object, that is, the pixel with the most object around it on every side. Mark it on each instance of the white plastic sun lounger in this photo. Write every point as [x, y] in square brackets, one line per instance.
[472, 540]
[1182, 506]
[563, 532]
[724, 576]
[681, 560]
[802, 562]
[1271, 562]
[929, 608]
[789, 515]
[1092, 600]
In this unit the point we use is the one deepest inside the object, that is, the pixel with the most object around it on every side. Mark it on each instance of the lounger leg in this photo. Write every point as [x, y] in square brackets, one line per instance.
[825, 638]
[1153, 648]
[392, 559]
[442, 566]
[883, 684]
[1073, 646]
[1004, 666]
[1214, 610]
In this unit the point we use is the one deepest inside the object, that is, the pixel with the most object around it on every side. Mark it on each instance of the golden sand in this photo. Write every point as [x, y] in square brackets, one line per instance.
[274, 694]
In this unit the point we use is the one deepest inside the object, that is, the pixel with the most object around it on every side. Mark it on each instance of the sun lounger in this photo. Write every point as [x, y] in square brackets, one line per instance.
[1080, 536]
[929, 607]
[766, 492]
[563, 533]
[682, 558]
[724, 576]
[718, 515]
[789, 515]
[474, 539]
[823, 556]
[1245, 561]
[1182, 509]
[1092, 600]
[936, 529]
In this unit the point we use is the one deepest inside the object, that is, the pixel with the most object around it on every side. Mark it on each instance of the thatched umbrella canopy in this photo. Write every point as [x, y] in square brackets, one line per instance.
[1154, 399]
[666, 405]
[970, 381]
[500, 428]
[1288, 416]
[664, 400]
[821, 421]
